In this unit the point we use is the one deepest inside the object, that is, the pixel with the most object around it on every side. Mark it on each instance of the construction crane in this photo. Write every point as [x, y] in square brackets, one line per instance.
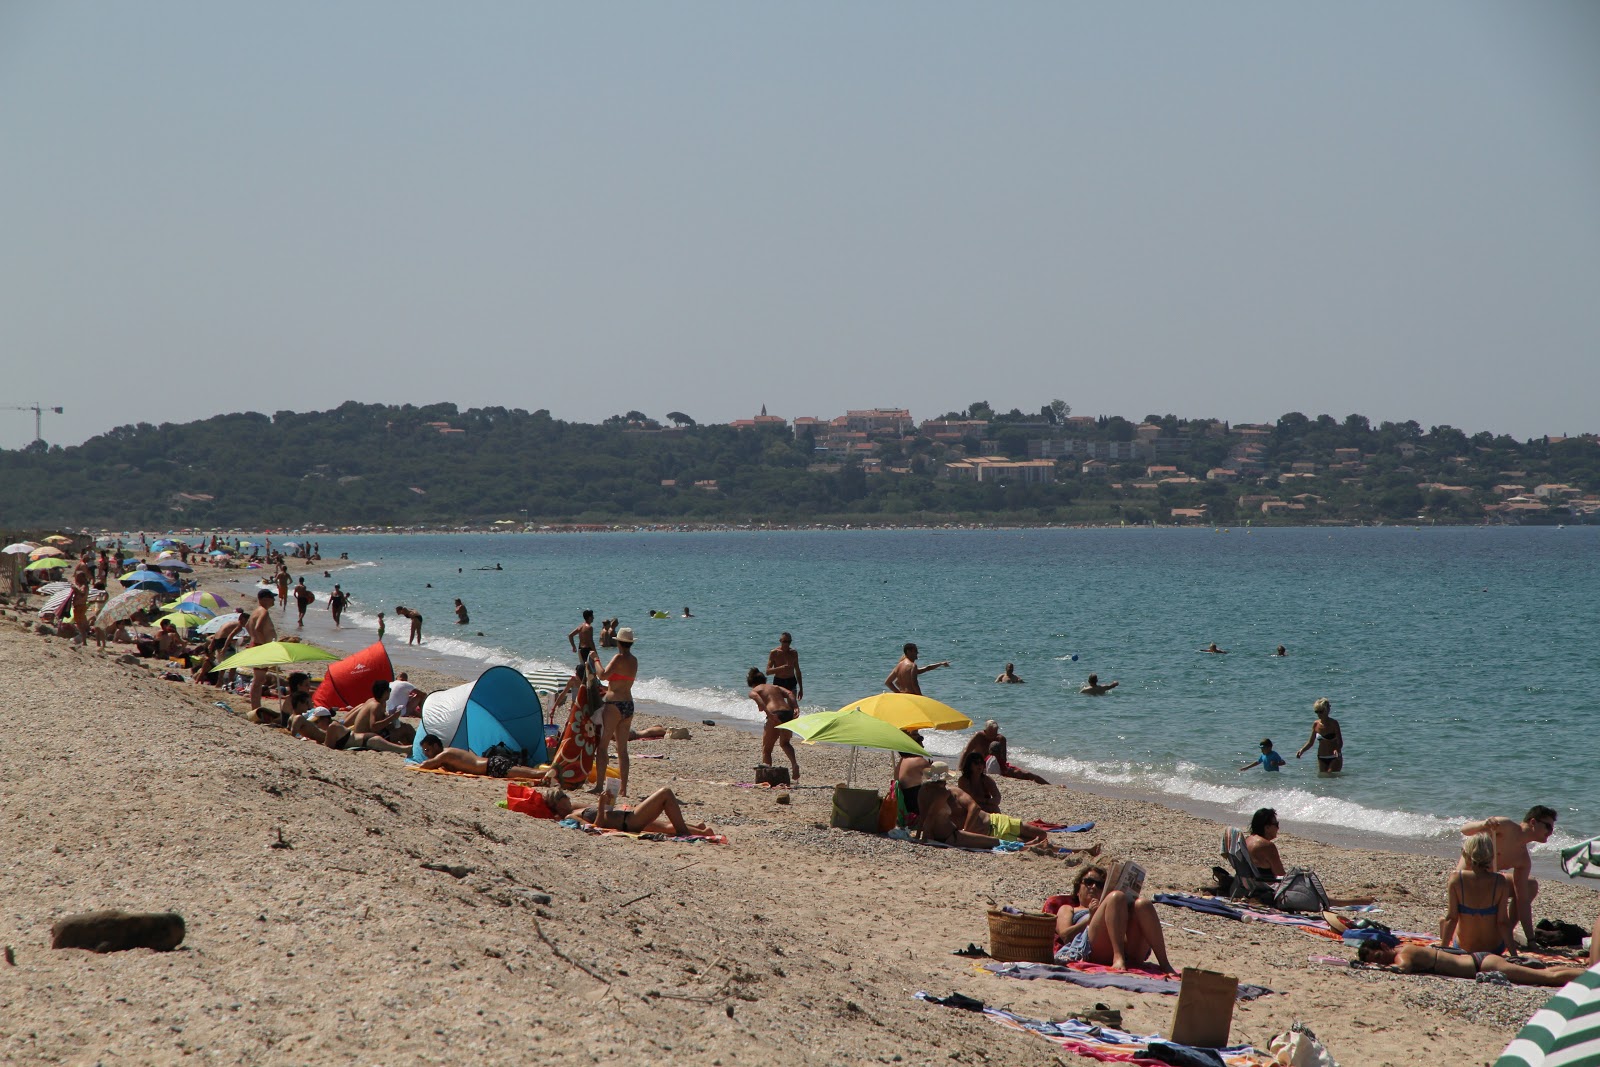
[38, 416]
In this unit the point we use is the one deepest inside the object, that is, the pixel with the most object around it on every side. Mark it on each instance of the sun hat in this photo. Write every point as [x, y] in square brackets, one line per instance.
[936, 772]
[625, 636]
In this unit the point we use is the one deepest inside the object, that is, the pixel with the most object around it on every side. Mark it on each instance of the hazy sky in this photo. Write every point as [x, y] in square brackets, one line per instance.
[1224, 209]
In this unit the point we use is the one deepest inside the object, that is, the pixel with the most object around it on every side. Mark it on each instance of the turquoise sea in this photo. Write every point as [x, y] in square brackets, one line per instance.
[1461, 662]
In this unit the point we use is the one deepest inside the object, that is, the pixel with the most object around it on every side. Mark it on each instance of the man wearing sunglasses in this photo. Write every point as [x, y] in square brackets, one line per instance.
[1511, 840]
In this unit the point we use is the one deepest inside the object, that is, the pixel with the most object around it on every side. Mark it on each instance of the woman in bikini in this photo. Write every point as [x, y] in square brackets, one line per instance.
[616, 717]
[659, 812]
[1328, 738]
[1454, 963]
[1485, 927]
[1111, 929]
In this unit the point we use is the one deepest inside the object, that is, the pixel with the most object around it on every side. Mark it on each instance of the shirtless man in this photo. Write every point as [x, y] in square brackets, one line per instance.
[1093, 688]
[259, 627]
[302, 598]
[372, 716]
[1009, 676]
[462, 761]
[780, 706]
[581, 639]
[950, 817]
[227, 631]
[783, 666]
[1214, 650]
[1453, 963]
[1511, 842]
[911, 771]
[903, 679]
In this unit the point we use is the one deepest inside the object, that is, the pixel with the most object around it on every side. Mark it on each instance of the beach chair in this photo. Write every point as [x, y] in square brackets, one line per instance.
[1248, 881]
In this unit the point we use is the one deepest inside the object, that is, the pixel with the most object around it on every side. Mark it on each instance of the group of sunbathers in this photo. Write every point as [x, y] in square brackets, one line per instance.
[964, 810]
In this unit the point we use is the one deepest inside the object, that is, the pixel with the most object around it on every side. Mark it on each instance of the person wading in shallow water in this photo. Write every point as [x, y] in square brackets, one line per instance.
[904, 677]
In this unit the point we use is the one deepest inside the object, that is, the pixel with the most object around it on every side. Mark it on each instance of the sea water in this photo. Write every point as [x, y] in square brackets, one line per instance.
[1461, 662]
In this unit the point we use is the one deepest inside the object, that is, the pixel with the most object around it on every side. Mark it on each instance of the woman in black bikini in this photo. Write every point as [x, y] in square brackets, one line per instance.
[659, 812]
[1454, 963]
[1328, 738]
[616, 716]
[1486, 928]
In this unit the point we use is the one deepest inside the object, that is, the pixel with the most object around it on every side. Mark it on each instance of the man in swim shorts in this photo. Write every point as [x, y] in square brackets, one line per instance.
[904, 677]
[1454, 963]
[440, 758]
[783, 665]
[1511, 841]
[779, 706]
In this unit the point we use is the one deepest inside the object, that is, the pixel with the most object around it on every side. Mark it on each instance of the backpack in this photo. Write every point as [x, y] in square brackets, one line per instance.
[1300, 890]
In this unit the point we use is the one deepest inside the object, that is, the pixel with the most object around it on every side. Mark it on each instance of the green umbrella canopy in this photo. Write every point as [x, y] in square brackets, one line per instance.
[48, 564]
[853, 727]
[274, 653]
[183, 620]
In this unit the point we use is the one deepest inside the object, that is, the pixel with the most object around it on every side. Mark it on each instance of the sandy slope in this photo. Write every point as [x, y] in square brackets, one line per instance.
[795, 942]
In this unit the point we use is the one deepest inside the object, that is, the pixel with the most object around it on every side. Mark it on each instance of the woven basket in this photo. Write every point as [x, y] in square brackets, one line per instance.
[1025, 938]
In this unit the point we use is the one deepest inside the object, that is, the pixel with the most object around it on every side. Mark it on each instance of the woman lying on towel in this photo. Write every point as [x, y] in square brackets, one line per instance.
[1264, 853]
[647, 817]
[1112, 929]
[1454, 963]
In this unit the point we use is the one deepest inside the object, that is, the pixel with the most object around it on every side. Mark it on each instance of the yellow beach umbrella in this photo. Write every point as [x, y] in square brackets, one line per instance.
[46, 552]
[911, 711]
[57, 539]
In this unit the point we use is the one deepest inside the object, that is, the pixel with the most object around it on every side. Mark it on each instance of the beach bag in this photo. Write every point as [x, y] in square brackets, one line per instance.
[1300, 891]
[1299, 1047]
[856, 809]
[889, 811]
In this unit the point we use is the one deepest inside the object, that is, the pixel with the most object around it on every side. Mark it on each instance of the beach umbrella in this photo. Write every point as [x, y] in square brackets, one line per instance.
[48, 564]
[51, 588]
[210, 601]
[212, 626]
[149, 580]
[1563, 1033]
[247, 544]
[290, 544]
[183, 620]
[172, 565]
[46, 552]
[19, 548]
[275, 653]
[58, 539]
[854, 728]
[911, 711]
[161, 543]
[125, 606]
[56, 601]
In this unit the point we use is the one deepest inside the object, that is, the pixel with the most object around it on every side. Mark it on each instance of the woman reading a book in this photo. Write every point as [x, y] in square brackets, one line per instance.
[1114, 928]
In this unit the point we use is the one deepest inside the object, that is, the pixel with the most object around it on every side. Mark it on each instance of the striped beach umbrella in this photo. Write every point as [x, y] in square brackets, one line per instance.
[46, 552]
[1563, 1033]
[199, 598]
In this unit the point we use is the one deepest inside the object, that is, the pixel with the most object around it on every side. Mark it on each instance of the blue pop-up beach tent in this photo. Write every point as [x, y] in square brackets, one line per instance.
[500, 706]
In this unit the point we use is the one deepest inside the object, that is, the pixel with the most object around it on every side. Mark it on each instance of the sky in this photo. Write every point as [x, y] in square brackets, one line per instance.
[1232, 209]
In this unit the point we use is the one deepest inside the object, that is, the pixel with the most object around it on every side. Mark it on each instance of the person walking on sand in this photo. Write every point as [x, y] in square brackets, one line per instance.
[303, 598]
[779, 705]
[616, 715]
[783, 667]
[336, 603]
[259, 627]
[904, 677]
[1328, 738]
[461, 613]
[1511, 841]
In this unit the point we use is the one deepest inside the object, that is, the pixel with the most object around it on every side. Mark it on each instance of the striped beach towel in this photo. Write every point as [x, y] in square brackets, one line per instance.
[1563, 1033]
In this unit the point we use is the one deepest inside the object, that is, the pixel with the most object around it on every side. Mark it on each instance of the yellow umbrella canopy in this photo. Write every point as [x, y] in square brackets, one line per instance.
[57, 539]
[911, 711]
[46, 552]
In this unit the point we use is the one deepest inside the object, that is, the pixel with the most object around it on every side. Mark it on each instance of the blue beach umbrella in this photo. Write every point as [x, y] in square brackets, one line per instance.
[148, 580]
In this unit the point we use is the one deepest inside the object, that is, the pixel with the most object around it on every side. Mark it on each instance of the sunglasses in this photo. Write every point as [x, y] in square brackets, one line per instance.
[1096, 882]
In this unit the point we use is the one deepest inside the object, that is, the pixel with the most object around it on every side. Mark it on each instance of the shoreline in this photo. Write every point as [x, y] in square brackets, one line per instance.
[462, 668]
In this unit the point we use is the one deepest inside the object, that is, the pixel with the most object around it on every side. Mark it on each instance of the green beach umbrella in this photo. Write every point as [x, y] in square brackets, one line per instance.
[183, 620]
[852, 727]
[1563, 1033]
[48, 564]
[274, 654]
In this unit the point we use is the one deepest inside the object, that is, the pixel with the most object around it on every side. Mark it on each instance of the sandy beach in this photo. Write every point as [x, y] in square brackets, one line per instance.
[315, 935]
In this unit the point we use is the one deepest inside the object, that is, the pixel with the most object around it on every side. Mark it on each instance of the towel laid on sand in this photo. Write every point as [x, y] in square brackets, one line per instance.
[1305, 923]
[1060, 827]
[692, 839]
[1117, 1046]
[1095, 976]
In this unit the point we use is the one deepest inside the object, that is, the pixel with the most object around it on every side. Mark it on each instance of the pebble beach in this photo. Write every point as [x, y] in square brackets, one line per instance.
[316, 935]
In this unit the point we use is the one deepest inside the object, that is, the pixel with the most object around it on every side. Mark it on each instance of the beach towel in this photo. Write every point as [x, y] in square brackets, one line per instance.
[688, 839]
[1317, 927]
[1060, 827]
[1109, 1045]
[1096, 976]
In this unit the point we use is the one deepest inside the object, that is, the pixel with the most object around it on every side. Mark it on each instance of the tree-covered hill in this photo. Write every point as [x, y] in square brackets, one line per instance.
[402, 465]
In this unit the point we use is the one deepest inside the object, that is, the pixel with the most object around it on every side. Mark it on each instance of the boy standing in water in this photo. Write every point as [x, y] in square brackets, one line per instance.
[1268, 761]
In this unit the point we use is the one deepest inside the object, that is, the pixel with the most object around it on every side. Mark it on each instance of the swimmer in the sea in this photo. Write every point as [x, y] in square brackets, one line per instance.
[1213, 649]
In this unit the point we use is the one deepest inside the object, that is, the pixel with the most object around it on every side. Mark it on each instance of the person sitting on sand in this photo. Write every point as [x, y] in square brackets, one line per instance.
[1485, 926]
[1264, 853]
[975, 782]
[909, 773]
[949, 817]
[779, 706]
[1111, 929]
[299, 682]
[462, 761]
[372, 716]
[1009, 676]
[1511, 841]
[1455, 963]
[997, 764]
[1093, 688]
[1214, 650]
[659, 813]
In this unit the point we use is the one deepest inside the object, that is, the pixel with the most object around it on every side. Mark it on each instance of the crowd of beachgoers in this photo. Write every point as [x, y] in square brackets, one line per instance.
[1107, 916]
